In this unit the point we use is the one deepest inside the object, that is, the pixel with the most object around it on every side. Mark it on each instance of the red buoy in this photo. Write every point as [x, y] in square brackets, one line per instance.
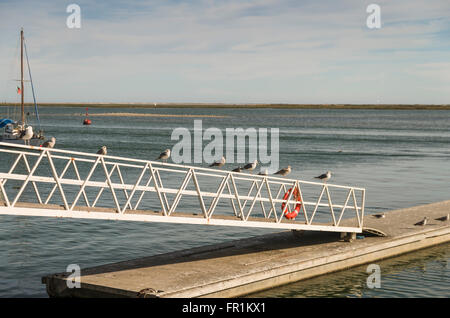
[87, 121]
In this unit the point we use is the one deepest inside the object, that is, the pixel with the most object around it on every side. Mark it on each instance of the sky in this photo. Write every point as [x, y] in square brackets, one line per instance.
[234, 51]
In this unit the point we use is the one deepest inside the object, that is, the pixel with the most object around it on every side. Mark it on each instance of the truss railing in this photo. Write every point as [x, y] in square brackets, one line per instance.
[111, 187]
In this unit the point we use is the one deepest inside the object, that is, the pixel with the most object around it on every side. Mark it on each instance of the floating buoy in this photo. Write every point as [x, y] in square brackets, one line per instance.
[87, 121]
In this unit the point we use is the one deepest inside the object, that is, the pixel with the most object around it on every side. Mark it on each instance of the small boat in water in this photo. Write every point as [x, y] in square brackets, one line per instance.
[19, 131]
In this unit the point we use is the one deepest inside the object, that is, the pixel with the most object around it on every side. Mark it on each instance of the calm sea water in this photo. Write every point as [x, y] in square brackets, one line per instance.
[400, 157]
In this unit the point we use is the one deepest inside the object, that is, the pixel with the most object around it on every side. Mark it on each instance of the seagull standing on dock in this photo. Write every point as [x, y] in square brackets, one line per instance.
[251, 166]
[26, 134]
[164, 155]
[219, 163]
[444, 218]
[324, 177]
[49, 143]
[102, 151]
[423, 222]
[284, 172]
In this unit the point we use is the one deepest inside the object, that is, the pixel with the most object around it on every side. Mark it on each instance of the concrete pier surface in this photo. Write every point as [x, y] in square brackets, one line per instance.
[245, 266]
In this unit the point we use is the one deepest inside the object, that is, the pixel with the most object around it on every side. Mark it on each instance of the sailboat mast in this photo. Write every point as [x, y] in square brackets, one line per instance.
[21, 77]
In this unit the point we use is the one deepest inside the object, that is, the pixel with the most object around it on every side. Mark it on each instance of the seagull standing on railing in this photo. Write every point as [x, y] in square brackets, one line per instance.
[238, 169]
[324, 177]
[423, 222]
[251, 166]
[26, 134]
[164, 155]
[103, 151]
[219, 163]
[49, 143]
[284, 172]
[444, 218]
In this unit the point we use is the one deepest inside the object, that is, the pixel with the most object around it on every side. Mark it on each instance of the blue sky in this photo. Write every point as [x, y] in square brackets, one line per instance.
[232, 51]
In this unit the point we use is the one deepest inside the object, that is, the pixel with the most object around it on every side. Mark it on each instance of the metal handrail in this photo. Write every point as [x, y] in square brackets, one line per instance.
[243, 202]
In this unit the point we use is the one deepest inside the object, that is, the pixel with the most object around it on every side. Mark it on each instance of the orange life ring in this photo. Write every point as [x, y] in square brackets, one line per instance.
[292, 214]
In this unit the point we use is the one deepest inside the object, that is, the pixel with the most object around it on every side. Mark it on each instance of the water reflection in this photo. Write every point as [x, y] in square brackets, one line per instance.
[423, 273]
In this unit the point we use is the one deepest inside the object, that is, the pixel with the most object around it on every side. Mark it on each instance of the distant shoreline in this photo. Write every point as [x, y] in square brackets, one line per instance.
[218, 105]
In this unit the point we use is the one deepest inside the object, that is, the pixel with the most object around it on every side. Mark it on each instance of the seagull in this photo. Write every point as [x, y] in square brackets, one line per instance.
[102, 151]
[379, 216]
[423, 222]
[238, 169]
[26, 134]
[251, 166]
[219, 163]
[444, 218]
[263, 173]
[164, 155]
[49, 143]
[284, 171]
[324, 177]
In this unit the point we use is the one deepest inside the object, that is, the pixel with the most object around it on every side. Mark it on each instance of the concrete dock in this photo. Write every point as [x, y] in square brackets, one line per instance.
[248, 265]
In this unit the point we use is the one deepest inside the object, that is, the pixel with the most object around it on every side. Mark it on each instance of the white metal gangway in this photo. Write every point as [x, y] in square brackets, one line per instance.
[36, 181]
